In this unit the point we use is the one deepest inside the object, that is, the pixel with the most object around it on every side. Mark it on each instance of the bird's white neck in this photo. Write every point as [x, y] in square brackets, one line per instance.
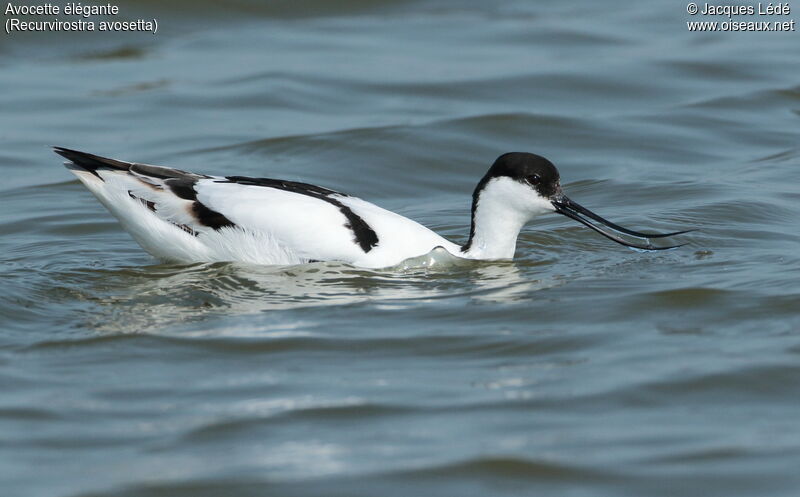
[497, 219]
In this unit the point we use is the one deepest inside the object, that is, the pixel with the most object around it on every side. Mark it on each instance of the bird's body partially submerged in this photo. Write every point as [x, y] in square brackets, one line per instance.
[184, 217]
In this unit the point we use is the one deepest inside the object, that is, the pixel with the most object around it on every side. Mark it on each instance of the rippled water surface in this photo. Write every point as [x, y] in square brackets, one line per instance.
[580, 369]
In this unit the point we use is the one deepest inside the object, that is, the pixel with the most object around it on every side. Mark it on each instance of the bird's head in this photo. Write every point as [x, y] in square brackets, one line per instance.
[526, 185]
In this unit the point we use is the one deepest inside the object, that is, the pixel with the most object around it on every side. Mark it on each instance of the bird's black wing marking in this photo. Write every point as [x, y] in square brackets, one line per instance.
[152, 207]
[291, 186]
[365, 236]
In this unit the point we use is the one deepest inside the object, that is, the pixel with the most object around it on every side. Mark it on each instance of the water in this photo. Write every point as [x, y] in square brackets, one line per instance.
[580, 369]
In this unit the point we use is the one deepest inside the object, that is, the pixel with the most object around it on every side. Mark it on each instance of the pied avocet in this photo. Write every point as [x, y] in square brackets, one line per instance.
[185, 217]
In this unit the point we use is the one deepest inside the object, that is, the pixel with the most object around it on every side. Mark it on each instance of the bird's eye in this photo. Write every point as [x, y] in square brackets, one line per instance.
[534, 179]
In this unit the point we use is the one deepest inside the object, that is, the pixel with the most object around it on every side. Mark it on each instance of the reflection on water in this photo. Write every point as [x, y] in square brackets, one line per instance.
[163, 295]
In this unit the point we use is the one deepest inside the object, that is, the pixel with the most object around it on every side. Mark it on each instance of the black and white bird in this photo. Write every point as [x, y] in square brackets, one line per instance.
[184, 217]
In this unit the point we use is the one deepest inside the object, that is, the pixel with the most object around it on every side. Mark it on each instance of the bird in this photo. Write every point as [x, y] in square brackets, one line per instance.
[184, 217]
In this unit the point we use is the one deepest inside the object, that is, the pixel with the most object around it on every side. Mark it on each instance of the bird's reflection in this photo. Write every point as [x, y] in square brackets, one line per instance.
[165, 294]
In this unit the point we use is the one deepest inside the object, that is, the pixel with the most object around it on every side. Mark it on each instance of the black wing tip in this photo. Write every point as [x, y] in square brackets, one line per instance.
[77, 160]
[64, 152]
[91, 162]
[71, 153]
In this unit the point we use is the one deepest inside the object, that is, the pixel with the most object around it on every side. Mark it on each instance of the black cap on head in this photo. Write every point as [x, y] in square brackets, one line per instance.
[527, 168]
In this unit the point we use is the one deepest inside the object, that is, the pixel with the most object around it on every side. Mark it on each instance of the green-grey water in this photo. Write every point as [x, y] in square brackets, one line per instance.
[579, 369]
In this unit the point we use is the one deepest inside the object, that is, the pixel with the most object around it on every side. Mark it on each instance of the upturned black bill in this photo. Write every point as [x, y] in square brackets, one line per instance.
[576, 211]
